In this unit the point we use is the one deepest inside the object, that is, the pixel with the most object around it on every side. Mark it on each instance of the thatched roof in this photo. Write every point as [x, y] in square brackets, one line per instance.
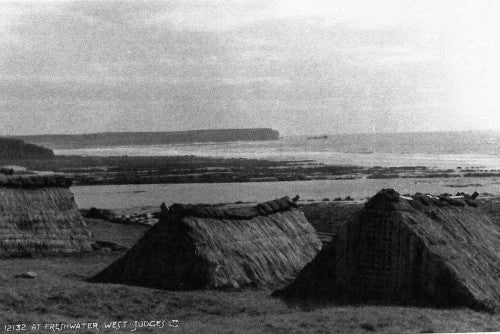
[38, 215]
[438, 250]
[196, 247]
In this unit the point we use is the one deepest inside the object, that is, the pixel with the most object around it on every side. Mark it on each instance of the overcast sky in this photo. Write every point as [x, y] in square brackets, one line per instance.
[302, 67]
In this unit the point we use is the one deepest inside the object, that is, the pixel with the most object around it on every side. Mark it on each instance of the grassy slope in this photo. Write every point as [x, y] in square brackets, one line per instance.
[125, 235]
[60, 294]
[327, 217]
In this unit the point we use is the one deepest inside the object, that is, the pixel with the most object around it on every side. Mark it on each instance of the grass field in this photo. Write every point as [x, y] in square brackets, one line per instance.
[60, 294]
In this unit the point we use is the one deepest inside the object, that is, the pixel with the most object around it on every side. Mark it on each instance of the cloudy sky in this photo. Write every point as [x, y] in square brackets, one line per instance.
[302, 67]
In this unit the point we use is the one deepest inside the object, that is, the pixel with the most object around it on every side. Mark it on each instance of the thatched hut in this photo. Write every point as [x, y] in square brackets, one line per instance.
[38, 215]
[421, 249]
[198, 247]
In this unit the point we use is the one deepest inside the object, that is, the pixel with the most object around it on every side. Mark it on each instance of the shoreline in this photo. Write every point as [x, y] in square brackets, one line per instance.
[130, 170]
[141, 195]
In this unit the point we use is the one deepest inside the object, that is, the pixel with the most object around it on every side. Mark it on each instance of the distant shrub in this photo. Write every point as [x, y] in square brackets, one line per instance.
[96, 213]
[368, 326]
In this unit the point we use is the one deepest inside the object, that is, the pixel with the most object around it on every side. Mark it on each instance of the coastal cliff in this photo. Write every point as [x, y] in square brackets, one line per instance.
[17, 149]
[107, 139]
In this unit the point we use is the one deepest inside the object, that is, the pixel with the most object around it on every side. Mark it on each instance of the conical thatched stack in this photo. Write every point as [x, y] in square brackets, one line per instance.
[442, 251]
[38, 215]
[196, 247]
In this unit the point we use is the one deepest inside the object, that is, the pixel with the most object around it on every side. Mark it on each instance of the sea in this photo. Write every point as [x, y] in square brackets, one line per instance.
[473, 149]
[435, 149]
[147, 195]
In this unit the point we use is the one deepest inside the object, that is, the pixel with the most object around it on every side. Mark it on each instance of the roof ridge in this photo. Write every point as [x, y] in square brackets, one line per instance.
[391, 200]
[243, 212]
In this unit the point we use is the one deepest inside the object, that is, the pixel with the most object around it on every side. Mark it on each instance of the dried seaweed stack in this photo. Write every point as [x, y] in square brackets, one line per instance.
[198, 247]
[420, 249]
[38, 215]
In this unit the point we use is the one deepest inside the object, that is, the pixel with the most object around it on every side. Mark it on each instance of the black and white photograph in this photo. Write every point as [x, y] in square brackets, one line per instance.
[249, 166]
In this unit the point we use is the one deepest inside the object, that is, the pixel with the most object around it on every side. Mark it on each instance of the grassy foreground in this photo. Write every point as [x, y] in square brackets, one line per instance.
[59, 294]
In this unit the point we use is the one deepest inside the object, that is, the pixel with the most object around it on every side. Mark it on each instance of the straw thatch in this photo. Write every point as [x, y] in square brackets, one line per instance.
[197, 247]
[424, 249]
[38, 215]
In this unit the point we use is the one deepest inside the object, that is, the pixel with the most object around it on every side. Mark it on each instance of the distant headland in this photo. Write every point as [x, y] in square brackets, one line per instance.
[18, 149]
[109, 139]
